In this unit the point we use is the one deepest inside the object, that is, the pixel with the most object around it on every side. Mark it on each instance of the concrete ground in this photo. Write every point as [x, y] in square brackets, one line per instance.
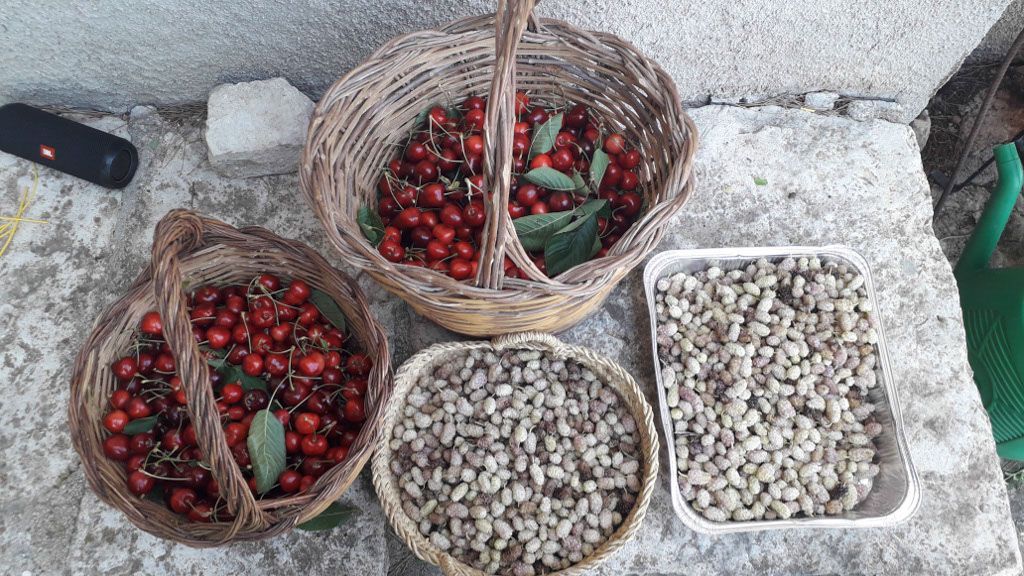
[823, 180]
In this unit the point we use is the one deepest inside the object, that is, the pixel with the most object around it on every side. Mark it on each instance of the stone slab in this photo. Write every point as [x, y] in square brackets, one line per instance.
[256, 128]
[828, 180]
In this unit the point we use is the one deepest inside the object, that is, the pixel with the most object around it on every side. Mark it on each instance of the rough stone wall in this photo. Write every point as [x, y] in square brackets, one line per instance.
[995, 44]
[112, 54]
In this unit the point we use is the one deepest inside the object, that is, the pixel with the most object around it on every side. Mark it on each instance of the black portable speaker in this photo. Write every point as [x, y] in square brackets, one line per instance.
[68, 146]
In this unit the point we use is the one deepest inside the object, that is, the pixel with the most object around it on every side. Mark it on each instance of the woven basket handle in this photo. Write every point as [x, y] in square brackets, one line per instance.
[528, 339]
[182, 232]
[511, 20]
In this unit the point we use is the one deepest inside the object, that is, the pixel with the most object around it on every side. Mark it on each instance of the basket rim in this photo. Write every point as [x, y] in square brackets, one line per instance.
[586, 276]
[86, 375]
[626, 387]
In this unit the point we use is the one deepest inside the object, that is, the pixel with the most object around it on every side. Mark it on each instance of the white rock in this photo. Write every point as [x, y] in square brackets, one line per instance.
[862, 110]
[820, 100]
[256, 128]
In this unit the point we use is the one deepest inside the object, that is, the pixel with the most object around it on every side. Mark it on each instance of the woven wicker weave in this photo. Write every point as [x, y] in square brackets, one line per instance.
[363, 116]
[188, 247]
[607, 371]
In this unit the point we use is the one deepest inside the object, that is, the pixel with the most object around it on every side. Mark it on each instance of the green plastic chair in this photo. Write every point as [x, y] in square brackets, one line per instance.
[993, 306]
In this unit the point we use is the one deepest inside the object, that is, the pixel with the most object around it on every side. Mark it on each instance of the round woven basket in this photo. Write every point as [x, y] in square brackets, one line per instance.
[610, 373]
[361, 118]
[190, 248]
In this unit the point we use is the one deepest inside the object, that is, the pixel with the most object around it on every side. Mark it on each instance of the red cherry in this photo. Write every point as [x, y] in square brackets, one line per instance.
[289, 481]
[429, 219]
[406, 196]
[473, 146]
[629, 160]
[577, 117]
[474, 119]
[515, 210]
[452, 215]
[436, 250]
[407, 219]
[116, 447]
[474, 103]
[475, 214]
[521, 128]
[337, 454]
[629, 203]
[388, 207]
[539, 208]
[312, 364]
[182, 500]
[270, 282]
[391, 251]
[235, 433]
[415, 152]
[252, 365]
[614, 144]
[218, 337]
[559, 202]
[426, 170]
[141, 443]
[151, 324]
[200, 512]
[306, 423]
[276, 364]
[208, 295]
[203, 315]
[537, 116]
[392, 233]
[527, 194]
[522, 102]
[358, 365]
[629, 181]
[540, 161]
[354, 410]
[612, 175]
[431, 196]
[138, 408]
[125, 368]
[520, 145]
[448, 161]
[140, 483]
[562, 160]
[464, 250]
[460, 269]
[420, 235]
[119, 399]
[444, 234]
[292, 442]
[232, 393]
[298, 292]
[314, 445]
[565, 140]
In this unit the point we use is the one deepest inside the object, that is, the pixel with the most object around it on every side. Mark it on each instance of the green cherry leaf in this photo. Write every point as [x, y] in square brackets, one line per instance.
[140, 425]
[597, 167]
[550, 178]
[544, 137]
[571, 246]
[326, 305]
[534, 230]
[329, 519]
[371, 225]
[266, 449]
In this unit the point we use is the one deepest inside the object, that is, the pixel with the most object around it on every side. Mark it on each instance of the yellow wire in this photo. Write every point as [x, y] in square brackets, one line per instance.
[9, 229]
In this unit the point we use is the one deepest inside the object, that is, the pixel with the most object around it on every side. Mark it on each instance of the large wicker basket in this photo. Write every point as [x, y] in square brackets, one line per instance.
[609, 372]
[188, 247]
[360, 119]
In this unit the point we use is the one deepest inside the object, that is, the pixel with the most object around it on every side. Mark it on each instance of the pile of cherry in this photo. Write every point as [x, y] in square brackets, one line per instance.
[289, 388]
[574, 192]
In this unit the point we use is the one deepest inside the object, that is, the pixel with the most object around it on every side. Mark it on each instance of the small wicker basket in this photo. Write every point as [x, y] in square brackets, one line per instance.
[609, 372]
[188, 247]
[360, 119]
